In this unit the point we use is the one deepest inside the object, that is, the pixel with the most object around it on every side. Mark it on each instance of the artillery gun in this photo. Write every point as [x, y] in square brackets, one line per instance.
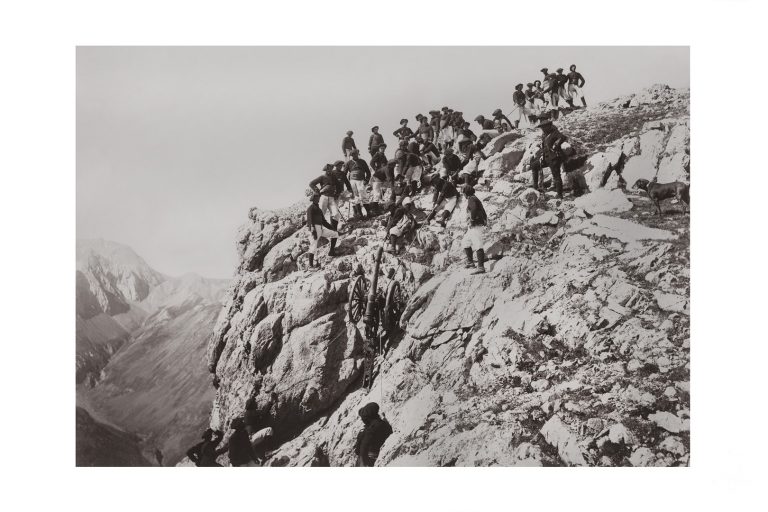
[380, 310]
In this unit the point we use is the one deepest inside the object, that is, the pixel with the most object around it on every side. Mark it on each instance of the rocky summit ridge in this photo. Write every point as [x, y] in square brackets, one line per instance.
[572, 350]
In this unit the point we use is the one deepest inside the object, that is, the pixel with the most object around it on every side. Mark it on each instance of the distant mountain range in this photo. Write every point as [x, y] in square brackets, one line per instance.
[140, 346]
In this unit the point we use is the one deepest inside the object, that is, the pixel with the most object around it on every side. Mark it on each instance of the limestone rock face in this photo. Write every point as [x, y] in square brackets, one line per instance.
[561, 354]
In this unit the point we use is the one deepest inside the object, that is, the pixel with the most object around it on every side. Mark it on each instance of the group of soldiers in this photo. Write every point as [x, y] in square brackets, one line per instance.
[443, 154]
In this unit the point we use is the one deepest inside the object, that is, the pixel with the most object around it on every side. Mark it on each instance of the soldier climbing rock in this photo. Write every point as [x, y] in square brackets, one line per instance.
[413, 166]
[451, 163]
[485, 124]
[373, 435]
[382, 178]
[319, 228]
[429, 153]
[474, 239]
[400, 190]
[400, 222]
[444, 200]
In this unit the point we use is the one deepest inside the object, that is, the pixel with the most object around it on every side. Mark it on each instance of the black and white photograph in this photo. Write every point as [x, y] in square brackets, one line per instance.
[276, 267]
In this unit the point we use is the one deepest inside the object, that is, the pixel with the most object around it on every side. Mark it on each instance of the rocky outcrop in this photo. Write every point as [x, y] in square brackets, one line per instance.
[572, 350]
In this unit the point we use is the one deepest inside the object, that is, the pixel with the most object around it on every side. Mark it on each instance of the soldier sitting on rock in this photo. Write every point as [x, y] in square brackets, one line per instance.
[401, 221]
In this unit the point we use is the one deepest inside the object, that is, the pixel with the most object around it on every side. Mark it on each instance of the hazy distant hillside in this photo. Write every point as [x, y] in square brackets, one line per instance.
[140, 345]
[102, 445]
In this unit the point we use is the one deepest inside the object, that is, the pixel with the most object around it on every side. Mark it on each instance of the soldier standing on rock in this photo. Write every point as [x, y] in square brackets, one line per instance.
[518, 97]
[359, 176]
[404, 132]
[375, 141]
[329, 186]
[474, 239]
[575, 84]
[530, 103]
[319, 227]
[562, 86]
[348, 145]
[551, 139]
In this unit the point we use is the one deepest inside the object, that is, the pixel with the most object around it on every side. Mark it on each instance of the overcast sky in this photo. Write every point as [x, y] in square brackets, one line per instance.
[174, 145]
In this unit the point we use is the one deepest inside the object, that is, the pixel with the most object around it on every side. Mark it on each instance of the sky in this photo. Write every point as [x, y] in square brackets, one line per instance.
[176, 144]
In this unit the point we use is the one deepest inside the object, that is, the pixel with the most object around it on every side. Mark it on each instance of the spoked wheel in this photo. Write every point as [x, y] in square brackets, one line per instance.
[358, 292]
[393, 307]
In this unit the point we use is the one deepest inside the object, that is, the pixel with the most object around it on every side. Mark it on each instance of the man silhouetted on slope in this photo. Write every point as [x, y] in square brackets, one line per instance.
[373, 435]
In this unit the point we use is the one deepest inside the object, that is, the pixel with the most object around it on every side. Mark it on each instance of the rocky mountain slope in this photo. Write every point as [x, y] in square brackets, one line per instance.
[145, 364]
[111, 281]
[572, 350]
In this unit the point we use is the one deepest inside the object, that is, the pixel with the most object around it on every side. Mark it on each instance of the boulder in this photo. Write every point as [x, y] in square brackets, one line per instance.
[642, 457]
[674, 445]
[670, 422]
[620, 229]
[529, 197]
[604, 200]
[672, 302]
[449, 302]
[550, 218]
[267, 229]
[559, 435]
